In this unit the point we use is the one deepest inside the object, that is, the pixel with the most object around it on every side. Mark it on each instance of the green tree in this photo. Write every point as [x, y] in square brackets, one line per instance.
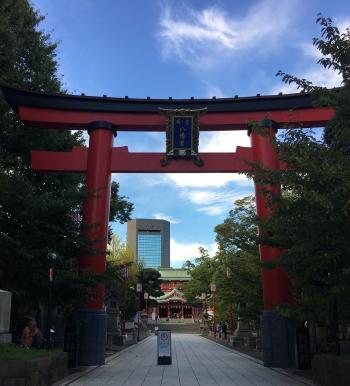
[238, 276]
[235, 269]
[201, 277]
[39, 212]
[312, 217]
[150, 280]
[188, 265]
[121, 276]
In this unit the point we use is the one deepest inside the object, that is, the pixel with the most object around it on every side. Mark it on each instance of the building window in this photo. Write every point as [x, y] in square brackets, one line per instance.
[149, 245]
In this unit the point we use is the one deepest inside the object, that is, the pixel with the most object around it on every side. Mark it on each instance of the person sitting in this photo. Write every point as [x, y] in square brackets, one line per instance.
[32, 336]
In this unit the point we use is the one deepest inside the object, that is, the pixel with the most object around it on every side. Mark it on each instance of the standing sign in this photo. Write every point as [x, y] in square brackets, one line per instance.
[164, 347]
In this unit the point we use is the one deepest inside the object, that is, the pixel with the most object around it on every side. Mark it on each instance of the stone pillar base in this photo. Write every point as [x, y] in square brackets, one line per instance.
[92, 337]
[278, 339]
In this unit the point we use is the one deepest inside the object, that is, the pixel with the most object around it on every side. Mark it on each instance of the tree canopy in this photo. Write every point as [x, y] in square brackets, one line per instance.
[39, 212]
[312, 217]
[235, 268]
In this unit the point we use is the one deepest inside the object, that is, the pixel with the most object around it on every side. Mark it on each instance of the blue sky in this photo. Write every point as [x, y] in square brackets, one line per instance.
[162, 48]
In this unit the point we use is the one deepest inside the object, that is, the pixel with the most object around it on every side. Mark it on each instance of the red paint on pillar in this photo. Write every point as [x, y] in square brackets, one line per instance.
[276, 283]
[96, 207]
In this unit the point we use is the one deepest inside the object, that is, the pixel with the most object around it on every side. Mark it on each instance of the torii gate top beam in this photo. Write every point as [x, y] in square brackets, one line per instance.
[130, 114]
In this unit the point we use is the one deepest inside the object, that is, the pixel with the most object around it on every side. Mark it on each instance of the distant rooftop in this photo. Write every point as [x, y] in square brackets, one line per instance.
[174, 274]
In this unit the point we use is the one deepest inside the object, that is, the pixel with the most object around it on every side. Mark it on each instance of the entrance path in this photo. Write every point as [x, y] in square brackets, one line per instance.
[196, 361]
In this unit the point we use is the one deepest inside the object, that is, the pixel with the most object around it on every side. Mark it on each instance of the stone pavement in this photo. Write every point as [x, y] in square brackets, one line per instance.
[196, 361]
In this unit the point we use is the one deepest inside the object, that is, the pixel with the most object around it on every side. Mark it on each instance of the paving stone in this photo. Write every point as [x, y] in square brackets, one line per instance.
[196, 361]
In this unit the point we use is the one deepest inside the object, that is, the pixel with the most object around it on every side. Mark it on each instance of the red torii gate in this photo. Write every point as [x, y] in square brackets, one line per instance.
[103, 116]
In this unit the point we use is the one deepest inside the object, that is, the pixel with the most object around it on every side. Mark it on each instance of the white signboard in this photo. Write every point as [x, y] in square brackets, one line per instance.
[164, 343]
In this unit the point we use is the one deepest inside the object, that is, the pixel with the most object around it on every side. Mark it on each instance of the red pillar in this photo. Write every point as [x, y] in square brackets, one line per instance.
[96, 216]
[277, 336]
[96, 206]
[276, 284]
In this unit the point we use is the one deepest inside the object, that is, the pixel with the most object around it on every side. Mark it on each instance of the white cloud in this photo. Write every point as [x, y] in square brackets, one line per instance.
[180, 252]
[220, 141]
[163, 216]
[309, 50]
[205, 180]
[213, 203]
[215, 91]
[223, 141]
[199, 38]
[315, 73]
[318, 76]
[343, 24]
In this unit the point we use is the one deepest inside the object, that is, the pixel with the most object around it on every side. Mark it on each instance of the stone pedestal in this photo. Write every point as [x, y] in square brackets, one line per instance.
[114, 337]
[278, 340]
[5, 314]
[237, 341]
[92, 337]
[242, 329]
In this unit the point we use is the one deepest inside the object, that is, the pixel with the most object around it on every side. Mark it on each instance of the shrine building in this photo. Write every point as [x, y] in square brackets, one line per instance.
[173, 304]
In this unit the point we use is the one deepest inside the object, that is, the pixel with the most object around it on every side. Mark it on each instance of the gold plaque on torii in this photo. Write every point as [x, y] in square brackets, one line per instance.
[182, 134]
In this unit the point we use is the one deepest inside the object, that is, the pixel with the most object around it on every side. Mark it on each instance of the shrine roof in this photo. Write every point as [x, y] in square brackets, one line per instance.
[19, 97]
[174, 294]
[171, 274]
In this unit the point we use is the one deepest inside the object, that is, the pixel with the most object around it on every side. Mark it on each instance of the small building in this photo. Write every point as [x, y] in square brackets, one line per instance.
[173, 304]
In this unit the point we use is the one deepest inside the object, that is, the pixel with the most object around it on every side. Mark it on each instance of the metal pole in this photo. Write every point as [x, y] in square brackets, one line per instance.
[231, 318]
[138, 316]
[51, 257]
[214, 318]
[213, 291]
[48, 320]
[124, 307]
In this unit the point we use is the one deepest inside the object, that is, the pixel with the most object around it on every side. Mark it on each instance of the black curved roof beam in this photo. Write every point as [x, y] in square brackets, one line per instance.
[74, 111]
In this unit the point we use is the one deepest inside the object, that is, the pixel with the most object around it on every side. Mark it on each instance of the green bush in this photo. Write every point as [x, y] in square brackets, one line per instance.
[12, 352]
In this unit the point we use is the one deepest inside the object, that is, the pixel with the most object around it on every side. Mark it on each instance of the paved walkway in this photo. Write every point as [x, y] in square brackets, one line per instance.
[196, 361]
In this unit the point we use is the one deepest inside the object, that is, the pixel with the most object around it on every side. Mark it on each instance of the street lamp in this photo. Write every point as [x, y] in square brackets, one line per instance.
[203, 297]
[213, 291]
[230, 307]
[138, 290]
[145, 297]
[125, 276]
[51, 258]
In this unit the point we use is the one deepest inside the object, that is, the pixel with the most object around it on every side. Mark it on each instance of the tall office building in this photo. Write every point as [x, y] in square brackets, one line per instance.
[149, 241]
